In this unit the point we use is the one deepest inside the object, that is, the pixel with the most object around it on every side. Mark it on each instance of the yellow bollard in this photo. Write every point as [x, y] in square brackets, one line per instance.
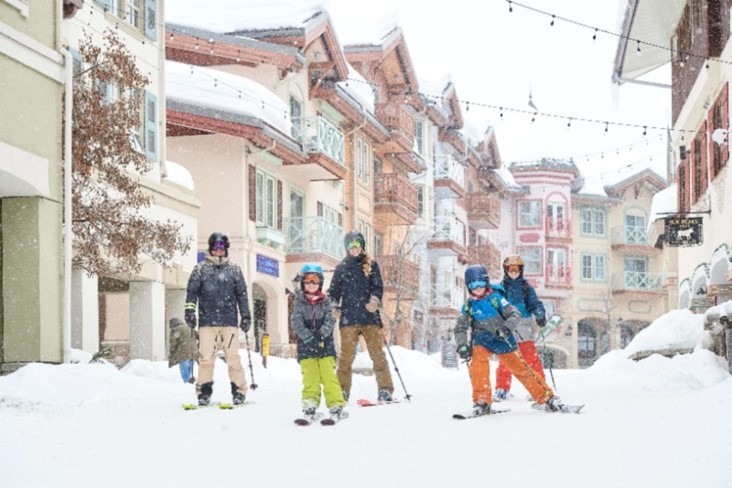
[265, 348]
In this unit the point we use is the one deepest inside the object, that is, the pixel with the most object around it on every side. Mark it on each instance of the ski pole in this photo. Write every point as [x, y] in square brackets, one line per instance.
[551, 371]
[407, 395]
[249, 354]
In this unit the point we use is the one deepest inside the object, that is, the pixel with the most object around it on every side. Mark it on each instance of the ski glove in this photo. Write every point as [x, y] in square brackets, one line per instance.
[541, 321]
[326, 331]
[307, 337]
[190, 318]
[245, 324]
[465, 352]
[373, 304]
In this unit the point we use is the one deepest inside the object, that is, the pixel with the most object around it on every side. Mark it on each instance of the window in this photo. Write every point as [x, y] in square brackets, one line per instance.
[420, 201]
[296, 118]
[365, 229]
[378, 245]
[266, 200]
[635, 229]
[529, 213]
[532, 259]
[141, 15]
[636, 272]
[363, 161]
[419, 137]
[593, 222]
[594, 267]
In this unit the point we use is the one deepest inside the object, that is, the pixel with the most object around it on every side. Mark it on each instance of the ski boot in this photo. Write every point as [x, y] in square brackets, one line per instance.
[385, 397]
[337, 413]
[204, 394]
[501, 395]
[237, 396]
[481, 408]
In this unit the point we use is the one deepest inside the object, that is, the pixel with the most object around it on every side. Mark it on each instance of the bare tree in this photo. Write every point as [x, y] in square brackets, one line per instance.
[110, 231]
[396, 279]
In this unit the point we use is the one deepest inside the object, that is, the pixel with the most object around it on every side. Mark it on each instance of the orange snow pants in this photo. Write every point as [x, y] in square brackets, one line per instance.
[529, 353]
[480, 375]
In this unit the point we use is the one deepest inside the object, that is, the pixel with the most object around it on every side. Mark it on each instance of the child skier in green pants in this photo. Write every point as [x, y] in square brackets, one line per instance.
[313, 322]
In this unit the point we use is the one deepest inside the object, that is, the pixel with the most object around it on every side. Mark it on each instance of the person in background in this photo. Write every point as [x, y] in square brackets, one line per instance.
[521, 295]
[216, 289]
[492, 321]
[182, 348]
[356, 291]
[313, 322]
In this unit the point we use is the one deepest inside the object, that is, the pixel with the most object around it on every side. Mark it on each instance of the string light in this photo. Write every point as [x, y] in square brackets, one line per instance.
[620, 36]
[510, 7]
[551, 24]
[594, 36]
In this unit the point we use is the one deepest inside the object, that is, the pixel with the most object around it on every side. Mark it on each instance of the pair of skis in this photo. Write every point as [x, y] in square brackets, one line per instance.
[562, 409]
[220, 405]
[309, 420]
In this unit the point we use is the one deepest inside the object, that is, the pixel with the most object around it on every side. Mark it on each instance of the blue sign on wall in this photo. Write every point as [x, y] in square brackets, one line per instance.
[268, 265]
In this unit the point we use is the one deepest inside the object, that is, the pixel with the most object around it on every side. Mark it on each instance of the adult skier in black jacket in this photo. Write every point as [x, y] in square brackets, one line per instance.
[216, 289]
[358, 288]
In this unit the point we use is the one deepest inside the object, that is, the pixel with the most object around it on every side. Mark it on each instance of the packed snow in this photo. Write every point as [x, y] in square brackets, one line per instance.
[661, 422]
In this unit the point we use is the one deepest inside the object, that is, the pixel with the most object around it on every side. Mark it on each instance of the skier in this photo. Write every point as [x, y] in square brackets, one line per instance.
[522, 296]
[182, 349]
[356, 291]
[216, 289]
[493, 321]
[313, 322]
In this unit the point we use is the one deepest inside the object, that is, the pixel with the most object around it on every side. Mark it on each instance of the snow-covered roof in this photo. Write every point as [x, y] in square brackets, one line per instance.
[235, 15]
[179, 175]
[362, 26]
[593, 186]
[226, 93]
[507, 177]
[663, 203]
[358, 88]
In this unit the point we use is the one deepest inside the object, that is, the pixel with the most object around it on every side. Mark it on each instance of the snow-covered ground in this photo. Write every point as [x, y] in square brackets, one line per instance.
[654, 423]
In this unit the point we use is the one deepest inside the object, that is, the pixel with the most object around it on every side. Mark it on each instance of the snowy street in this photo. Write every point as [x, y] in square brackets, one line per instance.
[657, 422]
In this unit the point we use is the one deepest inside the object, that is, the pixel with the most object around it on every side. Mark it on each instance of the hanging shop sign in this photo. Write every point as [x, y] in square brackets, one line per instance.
[683, 231]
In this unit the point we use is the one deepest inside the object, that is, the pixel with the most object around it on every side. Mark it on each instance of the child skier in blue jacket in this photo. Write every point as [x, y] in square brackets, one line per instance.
[313, 322]
[492, 322]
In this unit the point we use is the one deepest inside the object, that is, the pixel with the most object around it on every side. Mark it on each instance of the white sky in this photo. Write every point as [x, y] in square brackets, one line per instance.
[658, 422]
[496, 57]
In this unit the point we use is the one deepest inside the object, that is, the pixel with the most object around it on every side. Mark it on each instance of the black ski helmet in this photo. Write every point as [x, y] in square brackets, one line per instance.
[476, 273]
[218, 237]
[354, 236]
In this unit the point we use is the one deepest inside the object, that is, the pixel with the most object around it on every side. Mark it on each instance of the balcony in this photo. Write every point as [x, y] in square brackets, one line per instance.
[270, 237]
[446, 299]
[400, 143]
[558, 276]
[488, 255]
[484, 210]
[395, 199]
[637, 282]
[325, 145]
[558, 228]
[313, 239]
[449, 177]
[448, 238]
[630, 239]
[400, 276]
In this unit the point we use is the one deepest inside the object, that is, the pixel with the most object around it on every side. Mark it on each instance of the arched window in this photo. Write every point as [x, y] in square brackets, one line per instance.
[586, 344]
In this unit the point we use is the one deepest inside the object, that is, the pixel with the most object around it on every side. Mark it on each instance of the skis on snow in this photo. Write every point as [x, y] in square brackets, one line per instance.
[460, 416]
[220, 405]
[331, 420]
[365, 402]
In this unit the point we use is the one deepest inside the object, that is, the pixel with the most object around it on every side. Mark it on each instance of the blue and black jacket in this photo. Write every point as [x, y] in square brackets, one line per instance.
[492, 321]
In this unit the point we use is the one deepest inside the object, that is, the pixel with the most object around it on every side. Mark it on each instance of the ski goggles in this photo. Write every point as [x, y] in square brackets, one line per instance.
[513, 269]
[354, 244]
[218, 246]
[311, 280]
[476, 284]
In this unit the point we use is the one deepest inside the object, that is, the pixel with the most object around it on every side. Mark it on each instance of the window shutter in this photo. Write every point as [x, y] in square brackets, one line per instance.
[252, 193]
[151, 127]
[279, 205]
[151, 18]
[724, 102]
[320, 209]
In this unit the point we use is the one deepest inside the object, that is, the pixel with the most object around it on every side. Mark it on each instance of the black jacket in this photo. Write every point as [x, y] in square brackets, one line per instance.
[352, 289]
[218, 286]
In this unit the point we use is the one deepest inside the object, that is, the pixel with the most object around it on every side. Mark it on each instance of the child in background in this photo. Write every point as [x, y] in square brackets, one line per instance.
[313, 322]
[522, 296]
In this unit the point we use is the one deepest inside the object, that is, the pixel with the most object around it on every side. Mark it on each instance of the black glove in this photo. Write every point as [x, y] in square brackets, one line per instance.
[190, 318]
[541, 321]
[245, 324]
[465, 352]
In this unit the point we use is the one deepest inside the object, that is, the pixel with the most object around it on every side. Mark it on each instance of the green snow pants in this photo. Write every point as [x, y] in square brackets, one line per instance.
[316, 372]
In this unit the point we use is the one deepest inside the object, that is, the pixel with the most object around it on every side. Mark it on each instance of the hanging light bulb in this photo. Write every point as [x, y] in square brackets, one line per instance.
[607, 124]
[510, 7]
[645, 131]
[638, 49]
[551, 24]
[594, 36]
